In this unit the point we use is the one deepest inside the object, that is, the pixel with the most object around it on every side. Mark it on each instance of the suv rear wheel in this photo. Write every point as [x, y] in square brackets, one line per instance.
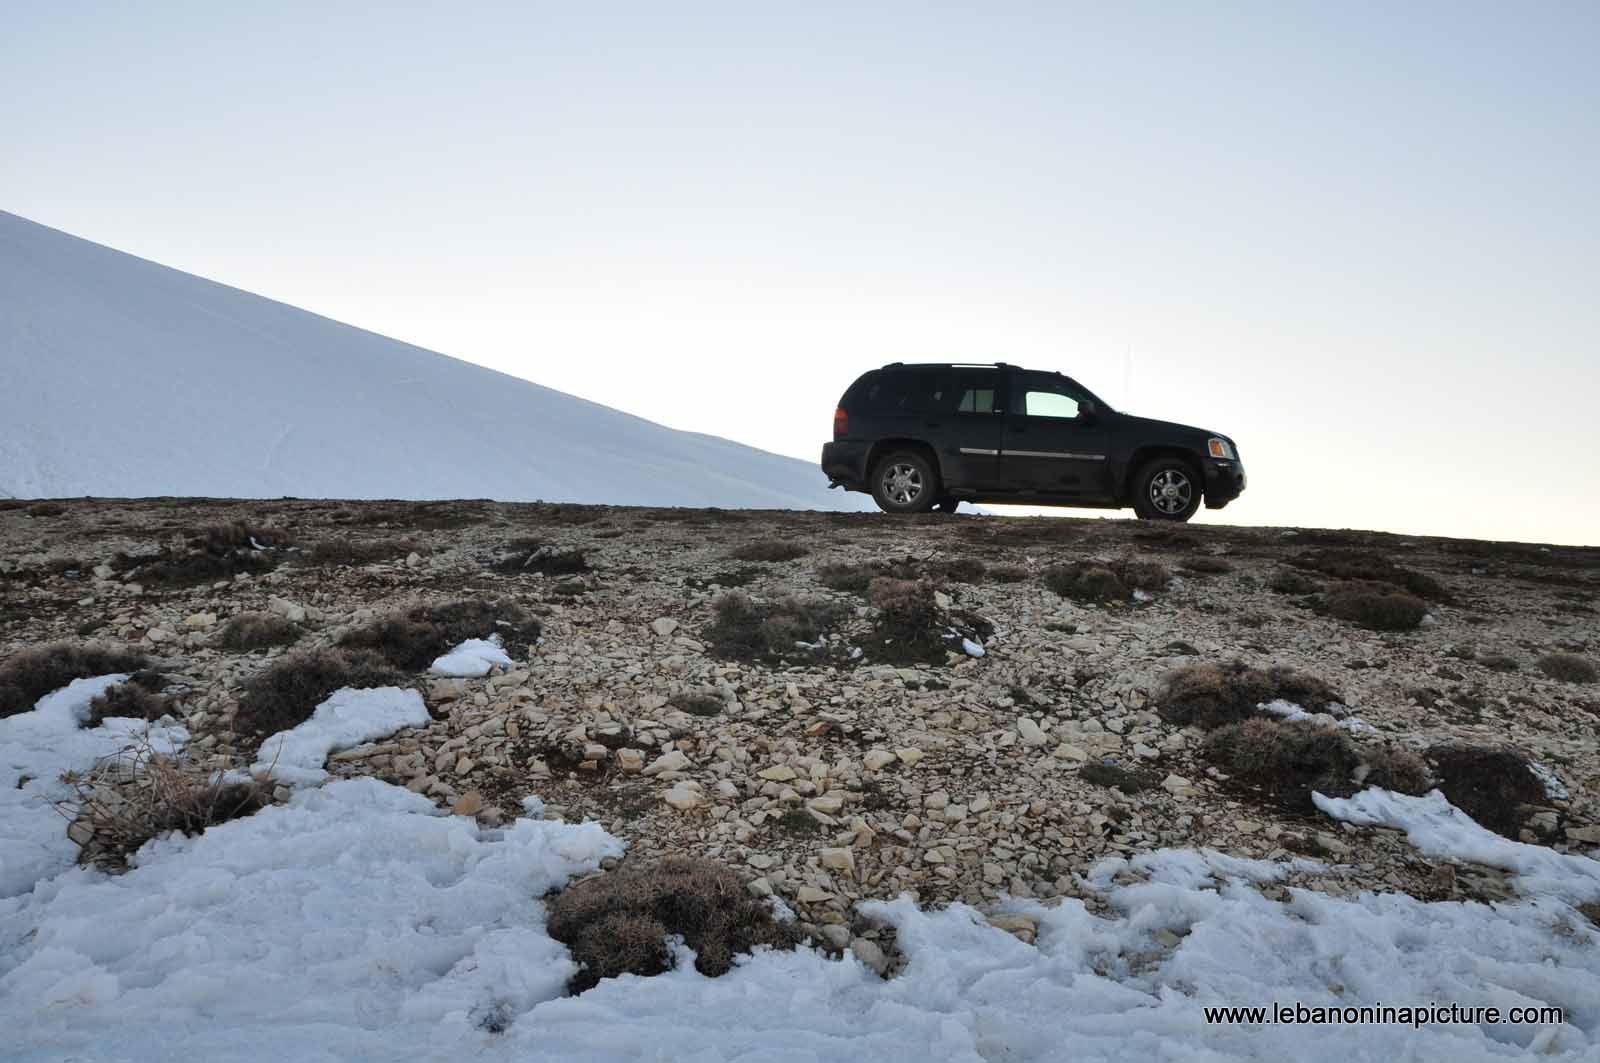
[904, 482]
[1167, 489]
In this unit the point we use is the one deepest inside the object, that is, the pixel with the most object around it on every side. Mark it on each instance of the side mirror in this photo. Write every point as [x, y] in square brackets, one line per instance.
[1087, 410]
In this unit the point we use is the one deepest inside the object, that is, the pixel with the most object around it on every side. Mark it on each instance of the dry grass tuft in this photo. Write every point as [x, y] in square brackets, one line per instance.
[1113, 777]
[1499, 662]
[28, 675]
[1106, 581]
[746, 630]
[1377, 606]
[1489, 784]
[768, 550]
[530, 556]
[697, 704]
[139, 698]
[1569, 668]
[1206, 565]
[1286, 761]
[1288, 581]
[289, 690]
[618, 922]
[1211, 695]
[257, 631]
[1360, 566]
[349, 551]
[414, 639]
[139, 795]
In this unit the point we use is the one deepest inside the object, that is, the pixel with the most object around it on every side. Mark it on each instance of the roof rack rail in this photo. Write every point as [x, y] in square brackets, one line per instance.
[948, 365]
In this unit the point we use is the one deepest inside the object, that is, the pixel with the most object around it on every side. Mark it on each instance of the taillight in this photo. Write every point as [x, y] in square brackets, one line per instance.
[841, 423]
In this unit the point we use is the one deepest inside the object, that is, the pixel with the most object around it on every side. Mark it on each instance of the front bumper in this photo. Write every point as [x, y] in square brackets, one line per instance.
[1225, 481]
[844, 462]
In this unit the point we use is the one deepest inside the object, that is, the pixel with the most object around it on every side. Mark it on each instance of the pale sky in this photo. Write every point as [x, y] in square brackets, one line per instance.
[1363, 239]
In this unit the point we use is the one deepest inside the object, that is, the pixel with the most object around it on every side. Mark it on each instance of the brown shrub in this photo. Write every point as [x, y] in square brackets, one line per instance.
[1105, 581]
[414, 639]
[1007, 573]
[1112, 777]
[1376, 606]
[1213, 695]
[768, 550]
[529, 556]
[858, 577]
[221, 540]
[1285, 761]
[289, 690]
[46, 509]
[697, 704]
[28, 675]
[1396, 768]
[910, 627]
[187, 570]
[1364, 566]
[138, 698]
[744, 630]
[351, 551]
[1206, 565]
[162, 794]
[1569, 668]
[1489, 784]
[963, 570]
[1288, 581]
[257, 631]
[1499, 662]
[617, 922]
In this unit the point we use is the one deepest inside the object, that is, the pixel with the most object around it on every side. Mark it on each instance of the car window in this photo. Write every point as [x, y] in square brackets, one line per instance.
[1048, 404]
[909, 392]
[976, 400]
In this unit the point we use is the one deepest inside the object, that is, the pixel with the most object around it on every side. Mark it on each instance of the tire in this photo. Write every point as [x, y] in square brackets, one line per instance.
[947, 505]
[904, 482]
[1167, 489]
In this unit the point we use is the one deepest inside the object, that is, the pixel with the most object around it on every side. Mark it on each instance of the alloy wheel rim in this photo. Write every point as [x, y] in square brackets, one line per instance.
[902, 484]
[1170, 491]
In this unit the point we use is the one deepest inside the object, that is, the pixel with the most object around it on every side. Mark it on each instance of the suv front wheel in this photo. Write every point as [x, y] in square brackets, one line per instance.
[904, 482]
[1167, 489]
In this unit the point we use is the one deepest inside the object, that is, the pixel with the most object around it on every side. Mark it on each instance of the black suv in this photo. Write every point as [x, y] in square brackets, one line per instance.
[919, 437]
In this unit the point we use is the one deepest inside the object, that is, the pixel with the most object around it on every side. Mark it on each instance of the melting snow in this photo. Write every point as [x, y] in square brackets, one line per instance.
[474, 657]
[347, 718]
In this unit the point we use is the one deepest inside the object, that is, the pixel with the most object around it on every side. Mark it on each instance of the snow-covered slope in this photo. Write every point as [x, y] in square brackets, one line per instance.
[120, 377]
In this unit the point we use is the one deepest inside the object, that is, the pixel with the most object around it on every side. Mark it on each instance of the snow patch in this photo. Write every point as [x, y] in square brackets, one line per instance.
[1292, 713]
[347, 718]
[35, 748]
[473, 658]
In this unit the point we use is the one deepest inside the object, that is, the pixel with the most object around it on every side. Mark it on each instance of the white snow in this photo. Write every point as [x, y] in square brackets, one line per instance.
[347, 718]
[278, 401]
[1291, 712]
[1553, 786]
[35, 748]
[1439, 829]
[973, 649]
[474, 657]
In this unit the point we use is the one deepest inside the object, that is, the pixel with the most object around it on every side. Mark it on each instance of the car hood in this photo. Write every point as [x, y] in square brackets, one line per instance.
[1150, 424]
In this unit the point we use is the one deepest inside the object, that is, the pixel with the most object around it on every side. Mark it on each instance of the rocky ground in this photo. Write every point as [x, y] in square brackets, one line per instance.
[832, 776]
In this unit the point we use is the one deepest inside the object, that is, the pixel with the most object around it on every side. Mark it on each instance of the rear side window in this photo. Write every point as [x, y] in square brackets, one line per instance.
[893, 392]
[977, 392]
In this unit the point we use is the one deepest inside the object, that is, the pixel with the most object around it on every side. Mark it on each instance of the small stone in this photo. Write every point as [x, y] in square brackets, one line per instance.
[1068, 751]
[760, 887]
[413, 560]
[878, 759]
[199, 621]
[1177, 786]
[663, 626]
[1030, 733]
[909, 756]
[760, 861]
[1588, 835]
[630, 760]
[684, 796]
[673, 761]
[841, 859]
[595, 751]
[836, 935]
[468, 804]
[812, 895]
[827, 804]
[777, 773]
[870, 955]
[1022, 927]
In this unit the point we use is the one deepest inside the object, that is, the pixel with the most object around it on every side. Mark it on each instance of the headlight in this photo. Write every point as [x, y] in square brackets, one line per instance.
[1221, 449]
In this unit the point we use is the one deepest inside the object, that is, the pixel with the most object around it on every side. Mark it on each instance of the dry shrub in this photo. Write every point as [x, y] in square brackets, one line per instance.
[1499, 662]
[28, 675]
[1288, 581]
[1007, 573]
[530, 556]
[617, 922]
[697, 704]
[352, 551]
[289, 690]
[139, 698]
[1569, 668]
[1112, 777]
[1377, 606]
[1212, 695]
[1206, 565]
[1285, 761]
[910, 626]
[962, 570]
[1106, 581]
[46, 509]
[257, 631]
[857, 577]
[1364, 566]
[221, 540]
[1396, 768]
[414, 639]
[140, 794]
[1488, 783]
[746, 630]
[768, 550]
